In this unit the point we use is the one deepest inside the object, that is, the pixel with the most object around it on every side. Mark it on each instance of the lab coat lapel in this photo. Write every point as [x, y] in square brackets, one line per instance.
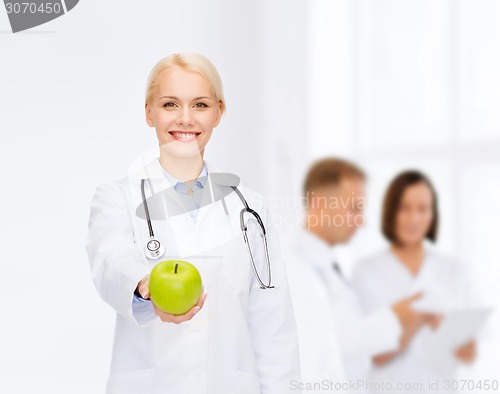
[212, 197]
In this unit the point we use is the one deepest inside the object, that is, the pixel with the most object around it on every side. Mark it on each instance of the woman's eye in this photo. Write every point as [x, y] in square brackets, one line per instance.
[200, 105]
[169, 104]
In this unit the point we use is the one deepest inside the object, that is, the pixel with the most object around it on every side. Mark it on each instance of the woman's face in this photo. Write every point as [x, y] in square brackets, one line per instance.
[415, 214]
[184, 111]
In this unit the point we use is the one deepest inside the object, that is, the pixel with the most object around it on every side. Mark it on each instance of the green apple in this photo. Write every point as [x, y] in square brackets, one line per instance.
[175, 286]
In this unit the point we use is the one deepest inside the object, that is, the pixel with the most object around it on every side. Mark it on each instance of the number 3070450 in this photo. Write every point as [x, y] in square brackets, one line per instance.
[33, 8]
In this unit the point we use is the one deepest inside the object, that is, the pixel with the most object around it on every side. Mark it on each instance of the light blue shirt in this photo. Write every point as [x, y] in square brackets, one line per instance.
[192, 203]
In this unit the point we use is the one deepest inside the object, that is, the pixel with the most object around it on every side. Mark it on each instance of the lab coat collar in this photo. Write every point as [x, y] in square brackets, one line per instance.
[154, 170]
[203, 174]
[318, 252]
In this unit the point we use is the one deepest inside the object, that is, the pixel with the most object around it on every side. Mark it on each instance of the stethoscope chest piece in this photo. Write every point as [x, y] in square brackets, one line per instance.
[154, 249]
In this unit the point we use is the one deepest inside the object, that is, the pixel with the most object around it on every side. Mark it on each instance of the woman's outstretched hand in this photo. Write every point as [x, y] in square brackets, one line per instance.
[143, 288]
[177, 319]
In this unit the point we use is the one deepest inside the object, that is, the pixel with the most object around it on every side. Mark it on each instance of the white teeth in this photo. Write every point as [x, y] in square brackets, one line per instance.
[184, 136]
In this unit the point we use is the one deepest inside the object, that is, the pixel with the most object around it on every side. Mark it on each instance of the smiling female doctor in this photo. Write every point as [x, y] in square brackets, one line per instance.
[239, 339]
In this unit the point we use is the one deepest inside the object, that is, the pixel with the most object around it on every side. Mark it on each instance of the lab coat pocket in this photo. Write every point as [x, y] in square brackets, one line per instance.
[138, 381]
[247, 383]
[235, 266]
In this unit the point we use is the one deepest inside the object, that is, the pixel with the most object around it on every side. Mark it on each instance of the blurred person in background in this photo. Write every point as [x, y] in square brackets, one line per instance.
[336, 340]
[410, 217]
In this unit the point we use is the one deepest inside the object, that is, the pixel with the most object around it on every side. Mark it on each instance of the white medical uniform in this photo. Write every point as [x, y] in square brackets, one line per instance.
[336, 340]
[382, 280]
[243, 340]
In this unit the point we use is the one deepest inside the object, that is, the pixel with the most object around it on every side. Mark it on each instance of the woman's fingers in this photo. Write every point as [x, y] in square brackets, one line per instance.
[193, 311]
[186, 316]
[202, 299]
[144, 291]
[144, 287]
[177, 319]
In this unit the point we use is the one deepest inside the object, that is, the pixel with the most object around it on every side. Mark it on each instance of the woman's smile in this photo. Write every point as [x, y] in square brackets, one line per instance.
[184, 135]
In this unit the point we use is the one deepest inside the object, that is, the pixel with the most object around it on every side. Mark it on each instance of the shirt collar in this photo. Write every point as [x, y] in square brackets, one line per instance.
[318, 251]
[199, 183]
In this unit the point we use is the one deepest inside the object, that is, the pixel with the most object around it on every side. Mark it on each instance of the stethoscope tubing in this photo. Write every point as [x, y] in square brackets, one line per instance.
[160, 249]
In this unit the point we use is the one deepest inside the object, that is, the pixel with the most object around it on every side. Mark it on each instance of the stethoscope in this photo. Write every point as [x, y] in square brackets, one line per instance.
[155, 249]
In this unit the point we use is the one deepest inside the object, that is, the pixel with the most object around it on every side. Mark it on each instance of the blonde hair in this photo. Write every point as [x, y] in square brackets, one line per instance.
[192, 62]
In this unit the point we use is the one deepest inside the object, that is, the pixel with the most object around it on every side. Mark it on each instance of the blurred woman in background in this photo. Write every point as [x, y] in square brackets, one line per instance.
[410, 218]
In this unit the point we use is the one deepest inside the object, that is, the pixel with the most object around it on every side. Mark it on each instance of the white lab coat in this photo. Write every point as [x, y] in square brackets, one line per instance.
[382, 280]
[336, 340]
[242, 341]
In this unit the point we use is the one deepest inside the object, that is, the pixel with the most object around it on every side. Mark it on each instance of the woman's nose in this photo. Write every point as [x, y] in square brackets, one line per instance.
[185, 117]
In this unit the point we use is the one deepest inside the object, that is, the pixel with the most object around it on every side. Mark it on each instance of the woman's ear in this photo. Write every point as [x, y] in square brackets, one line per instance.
[217, 120]
[149, 119]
